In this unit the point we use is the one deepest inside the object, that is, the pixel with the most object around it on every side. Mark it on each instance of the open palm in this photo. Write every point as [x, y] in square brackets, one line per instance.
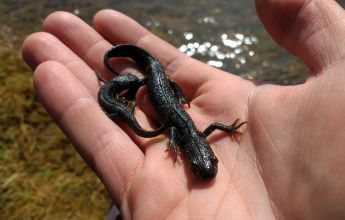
[289, 163]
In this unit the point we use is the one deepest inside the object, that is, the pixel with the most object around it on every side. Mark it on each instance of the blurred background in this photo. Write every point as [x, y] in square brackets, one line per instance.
[41, 175]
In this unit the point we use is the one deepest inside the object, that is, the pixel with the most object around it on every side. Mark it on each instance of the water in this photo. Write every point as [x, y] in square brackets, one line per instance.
[224, 34]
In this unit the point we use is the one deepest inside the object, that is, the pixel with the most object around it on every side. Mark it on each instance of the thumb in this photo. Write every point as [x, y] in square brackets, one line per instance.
[313, 30]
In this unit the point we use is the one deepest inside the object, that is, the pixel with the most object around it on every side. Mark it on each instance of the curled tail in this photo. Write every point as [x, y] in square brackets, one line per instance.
[109, 94]
[117, 109]
[140, 56]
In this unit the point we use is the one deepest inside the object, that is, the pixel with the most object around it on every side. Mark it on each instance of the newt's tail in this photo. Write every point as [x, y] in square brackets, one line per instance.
[140, 56]
[115, 108]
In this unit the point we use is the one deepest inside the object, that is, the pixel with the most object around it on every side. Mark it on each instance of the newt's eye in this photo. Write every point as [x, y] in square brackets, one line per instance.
[214, 160]
[194, 163]
[195, 168]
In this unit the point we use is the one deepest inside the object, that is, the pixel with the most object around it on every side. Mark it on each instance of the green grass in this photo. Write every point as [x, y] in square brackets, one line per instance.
[41, 175]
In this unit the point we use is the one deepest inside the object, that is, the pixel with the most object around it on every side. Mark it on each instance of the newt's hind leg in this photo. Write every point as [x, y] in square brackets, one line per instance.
[231, 129]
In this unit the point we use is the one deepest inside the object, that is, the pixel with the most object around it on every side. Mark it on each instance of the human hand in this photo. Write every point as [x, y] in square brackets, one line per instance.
[289, 162]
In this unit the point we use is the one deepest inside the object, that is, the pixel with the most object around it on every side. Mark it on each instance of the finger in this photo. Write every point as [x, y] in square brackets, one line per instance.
[42, 47]
[106, 148]
[82, 39]
[312, 30]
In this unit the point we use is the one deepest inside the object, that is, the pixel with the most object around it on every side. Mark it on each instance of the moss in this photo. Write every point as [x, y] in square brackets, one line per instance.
[41, 175]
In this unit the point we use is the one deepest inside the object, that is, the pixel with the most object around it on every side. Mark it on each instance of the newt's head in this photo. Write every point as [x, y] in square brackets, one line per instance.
[201, 157]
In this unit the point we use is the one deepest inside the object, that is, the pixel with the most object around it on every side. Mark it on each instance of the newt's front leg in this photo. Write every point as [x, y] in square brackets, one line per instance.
[231, 129]
[173, 142]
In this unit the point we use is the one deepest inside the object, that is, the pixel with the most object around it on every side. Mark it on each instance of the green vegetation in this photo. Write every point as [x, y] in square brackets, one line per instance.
[41, 175]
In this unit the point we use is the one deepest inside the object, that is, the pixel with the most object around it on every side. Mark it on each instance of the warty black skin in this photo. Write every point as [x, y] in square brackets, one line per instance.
[167, 99]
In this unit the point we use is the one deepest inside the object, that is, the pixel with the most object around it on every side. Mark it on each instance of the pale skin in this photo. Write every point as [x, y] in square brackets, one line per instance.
[290, 161]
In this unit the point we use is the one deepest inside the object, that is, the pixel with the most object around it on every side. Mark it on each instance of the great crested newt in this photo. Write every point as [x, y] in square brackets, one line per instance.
[167, 99]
